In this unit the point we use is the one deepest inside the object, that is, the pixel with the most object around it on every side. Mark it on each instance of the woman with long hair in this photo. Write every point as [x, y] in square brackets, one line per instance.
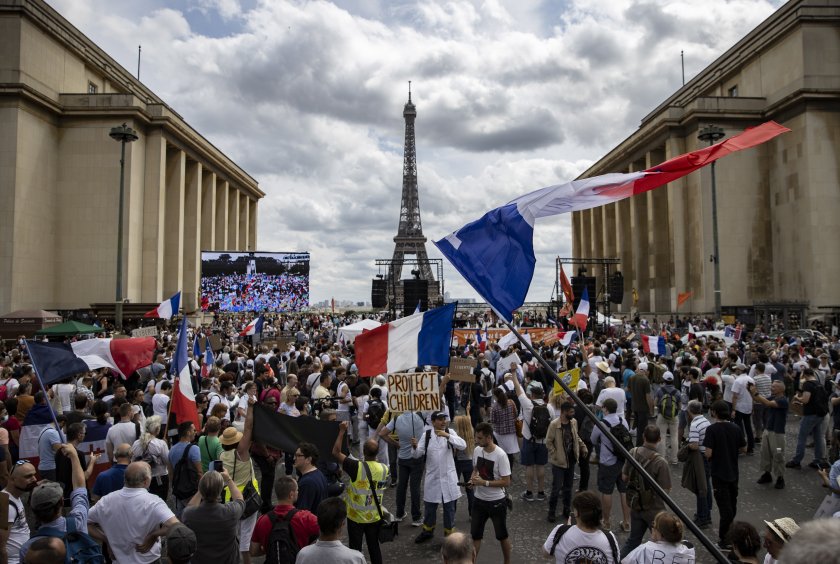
[155, 453]
[666, 543]
[463, 458]
[503, 416]
[745, 541]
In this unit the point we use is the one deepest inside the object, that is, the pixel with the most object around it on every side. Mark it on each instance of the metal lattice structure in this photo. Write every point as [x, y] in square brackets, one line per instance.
[410, 239]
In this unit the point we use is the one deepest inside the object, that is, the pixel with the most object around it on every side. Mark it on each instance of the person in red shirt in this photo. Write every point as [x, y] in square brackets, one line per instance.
[304, 524]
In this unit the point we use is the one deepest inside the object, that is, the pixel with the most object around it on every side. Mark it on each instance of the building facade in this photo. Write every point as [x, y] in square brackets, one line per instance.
[778, 204]
[60, 95]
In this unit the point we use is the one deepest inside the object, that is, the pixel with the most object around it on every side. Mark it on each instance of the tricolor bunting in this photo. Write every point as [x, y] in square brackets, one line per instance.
[495, 253]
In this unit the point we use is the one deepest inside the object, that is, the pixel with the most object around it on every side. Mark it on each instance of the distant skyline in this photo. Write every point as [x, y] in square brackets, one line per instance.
[511, 96]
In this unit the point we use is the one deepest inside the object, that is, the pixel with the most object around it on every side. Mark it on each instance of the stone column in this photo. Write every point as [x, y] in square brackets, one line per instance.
[252, 224]
[222, 188]
[208, 210]
[244, 243]
[153, 216]
[173, 246]
[625, 251]
[641, 259]
[576, 233]
[674, 146]
[193, 226]
[233, 219]
[659, 241]
[585, 235]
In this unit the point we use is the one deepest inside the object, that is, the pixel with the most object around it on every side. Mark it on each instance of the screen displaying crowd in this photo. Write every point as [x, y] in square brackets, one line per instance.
[236, 282]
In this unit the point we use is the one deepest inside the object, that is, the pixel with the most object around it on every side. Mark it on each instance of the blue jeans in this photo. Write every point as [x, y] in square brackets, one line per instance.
[410, 469]
[810, 425]
[465, 470]
[430, 515]
[704, 504]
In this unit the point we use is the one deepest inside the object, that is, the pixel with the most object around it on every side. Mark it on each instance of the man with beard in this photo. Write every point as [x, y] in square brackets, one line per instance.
[21, 480]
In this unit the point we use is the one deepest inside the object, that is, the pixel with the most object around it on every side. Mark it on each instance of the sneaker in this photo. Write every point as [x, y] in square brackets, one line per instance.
[552, 518]
[528, 496]
[540, 496]
[402, 517]
[624, 526]
[423, 536]
[792, 464]
[447, 532]
[702, 523]
[417, 523]
[780, 483]
[766, 478]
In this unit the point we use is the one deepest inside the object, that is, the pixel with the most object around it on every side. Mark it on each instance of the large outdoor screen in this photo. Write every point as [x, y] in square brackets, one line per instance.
[234, 281]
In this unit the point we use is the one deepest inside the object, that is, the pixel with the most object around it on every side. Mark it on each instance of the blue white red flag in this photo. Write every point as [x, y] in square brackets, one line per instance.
[183, 398]
[167, 308]
[581, 316]
[37, 419]
[653, 344]
[416, 340]
[481, 340]
[495, 253]
[253, 328]
[565, 338]
[57, 361]
[196, 349]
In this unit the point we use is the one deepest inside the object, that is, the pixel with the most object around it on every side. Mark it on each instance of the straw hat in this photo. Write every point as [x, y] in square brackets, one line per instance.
[230, 437]
[603, 366]
[783, 527]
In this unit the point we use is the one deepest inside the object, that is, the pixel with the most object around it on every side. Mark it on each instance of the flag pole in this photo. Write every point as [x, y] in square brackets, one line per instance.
[44, 389]
[710, 546]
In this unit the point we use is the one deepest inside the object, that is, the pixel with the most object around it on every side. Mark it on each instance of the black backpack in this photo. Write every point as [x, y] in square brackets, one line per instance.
[376, 410]
[282, 545]
[540, 420]
[621, 433]
[184, 477]
[487, 382]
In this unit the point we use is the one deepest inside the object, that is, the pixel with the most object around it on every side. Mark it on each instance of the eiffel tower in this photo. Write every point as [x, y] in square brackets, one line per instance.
[410, 239]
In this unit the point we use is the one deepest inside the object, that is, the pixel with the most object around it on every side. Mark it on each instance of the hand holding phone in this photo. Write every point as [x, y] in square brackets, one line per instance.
[216, 465]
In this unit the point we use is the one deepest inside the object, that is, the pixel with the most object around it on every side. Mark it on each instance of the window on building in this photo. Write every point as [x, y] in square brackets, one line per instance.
[92, 88]
[733, 91]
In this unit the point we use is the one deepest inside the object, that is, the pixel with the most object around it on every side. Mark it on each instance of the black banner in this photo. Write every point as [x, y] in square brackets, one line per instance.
[285, 433]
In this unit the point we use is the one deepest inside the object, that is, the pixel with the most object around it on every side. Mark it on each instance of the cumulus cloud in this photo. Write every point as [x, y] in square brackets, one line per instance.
[307, 96]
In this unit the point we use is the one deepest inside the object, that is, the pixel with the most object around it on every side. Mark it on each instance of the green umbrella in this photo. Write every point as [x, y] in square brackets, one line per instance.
[69, 328]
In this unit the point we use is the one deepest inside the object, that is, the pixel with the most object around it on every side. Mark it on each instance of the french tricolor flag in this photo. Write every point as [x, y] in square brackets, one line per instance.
[565, 338]
[209, 359]
[480, 340]
[167, 308]
[253, 328]
[417, 340]
[653, 344]
[183, 406]
[56, 361]
[581, 316]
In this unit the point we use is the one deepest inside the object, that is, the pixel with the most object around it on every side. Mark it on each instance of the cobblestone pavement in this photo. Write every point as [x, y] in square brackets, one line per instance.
[529, 529]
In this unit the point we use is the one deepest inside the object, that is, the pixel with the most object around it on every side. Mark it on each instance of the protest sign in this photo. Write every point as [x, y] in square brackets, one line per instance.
[417, 391]
[150, 331]
[215, 342]
[461, 369]
[503, 365]
[284, 432]
[571, 378]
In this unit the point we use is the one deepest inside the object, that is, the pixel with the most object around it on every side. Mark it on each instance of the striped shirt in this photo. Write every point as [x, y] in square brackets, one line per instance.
[762, 384]
[697, 431]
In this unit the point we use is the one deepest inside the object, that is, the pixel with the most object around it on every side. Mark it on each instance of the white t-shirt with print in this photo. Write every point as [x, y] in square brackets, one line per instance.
[18, 528]
[578, 546]
[660, 552]
[490, 466]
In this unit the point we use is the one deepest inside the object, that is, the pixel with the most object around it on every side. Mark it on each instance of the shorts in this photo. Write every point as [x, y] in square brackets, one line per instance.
[533, 453]
[609, 477]
[246, 529]
[496, 511]
[486, 402]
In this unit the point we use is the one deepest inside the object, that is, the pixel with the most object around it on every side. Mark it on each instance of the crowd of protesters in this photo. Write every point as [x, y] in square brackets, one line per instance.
[213, 492]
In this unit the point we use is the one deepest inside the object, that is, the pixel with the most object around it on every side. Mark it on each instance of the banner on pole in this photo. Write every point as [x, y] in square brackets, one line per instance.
[461, 369]
[571, 378]
[418, 391]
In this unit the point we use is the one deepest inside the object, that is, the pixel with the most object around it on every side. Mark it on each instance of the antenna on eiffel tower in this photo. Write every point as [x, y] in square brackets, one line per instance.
[402, 296]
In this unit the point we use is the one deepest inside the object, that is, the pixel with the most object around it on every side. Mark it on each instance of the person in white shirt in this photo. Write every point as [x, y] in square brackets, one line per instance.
[332, 517]
[666, 544]
[126, 431]
[610, 391]
[22, 480]
[491, 475]
[222, 396]
[160, 402]
[584, 541]
[132, 520]
[742, 402]
[534, 454]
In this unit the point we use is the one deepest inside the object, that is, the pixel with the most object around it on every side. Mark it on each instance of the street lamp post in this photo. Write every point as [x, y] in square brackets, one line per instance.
[712, 134]
[123, 134]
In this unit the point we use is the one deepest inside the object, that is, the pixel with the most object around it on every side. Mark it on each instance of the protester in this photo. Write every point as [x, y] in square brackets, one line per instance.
[535, 422]
[491, 478]
[703, 490]
[181, 544]
[22, 480]
[814, 403]
[503, 417]
[640, 390]
[457, 548]
[667, 418]
[583, 541]
[132, 520]
[332, 515]
[610, 466]
[565, 448]
[745, 542]
[113, 478]
[216, 525]
[666, 544]
[408, 426]
[441, 480]
[303, 525]
[463, 458]
[312, 484]
[742, 403]
[185, 460]
[723, 441]
[208, 444]
[236, 459]
[773, 441]
[776, 535]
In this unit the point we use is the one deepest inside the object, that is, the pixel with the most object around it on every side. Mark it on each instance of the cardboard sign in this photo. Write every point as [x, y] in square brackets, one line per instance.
[215, 343]
[413, 392]
[461, 369]
[503, 365]
[571, 378]
[150, 331]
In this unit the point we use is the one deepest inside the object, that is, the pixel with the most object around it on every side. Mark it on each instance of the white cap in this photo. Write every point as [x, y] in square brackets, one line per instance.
[668, 376]
[643, 366]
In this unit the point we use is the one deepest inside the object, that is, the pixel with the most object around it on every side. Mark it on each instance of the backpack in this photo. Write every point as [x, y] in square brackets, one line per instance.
[375, 412]
[562, 531]
[184, 477]
[668, 406]
[282, 545]
[622, 434]
[540, 419]
[146, 457]
[639, 496]
[81, 547]
[487, 382]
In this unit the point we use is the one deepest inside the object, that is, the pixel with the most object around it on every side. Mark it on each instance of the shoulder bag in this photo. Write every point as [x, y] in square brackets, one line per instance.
[252, 498]
[389, 527]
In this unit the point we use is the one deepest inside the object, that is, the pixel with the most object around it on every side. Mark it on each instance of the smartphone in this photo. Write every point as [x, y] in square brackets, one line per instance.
[216, 465]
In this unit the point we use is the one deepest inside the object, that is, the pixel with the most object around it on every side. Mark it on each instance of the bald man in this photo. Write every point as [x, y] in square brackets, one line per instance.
[457, 548]
[113, 478]
[22, 480]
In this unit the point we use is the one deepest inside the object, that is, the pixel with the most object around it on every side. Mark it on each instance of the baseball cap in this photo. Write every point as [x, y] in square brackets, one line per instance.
[46, 495]
[668, 376]
[181, 543]
[643, 366]
[437, 415]
[535, 387]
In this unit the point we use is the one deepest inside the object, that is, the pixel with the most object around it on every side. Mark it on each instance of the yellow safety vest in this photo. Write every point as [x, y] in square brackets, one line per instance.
[360, 505]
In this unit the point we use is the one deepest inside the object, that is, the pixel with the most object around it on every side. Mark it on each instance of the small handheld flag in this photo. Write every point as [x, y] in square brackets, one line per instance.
[253, 328]
[167, 308]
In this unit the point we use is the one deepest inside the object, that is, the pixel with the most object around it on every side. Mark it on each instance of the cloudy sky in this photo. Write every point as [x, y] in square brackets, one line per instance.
[511, 96]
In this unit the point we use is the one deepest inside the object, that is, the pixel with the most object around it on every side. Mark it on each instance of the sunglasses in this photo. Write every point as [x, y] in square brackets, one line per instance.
[20, 462]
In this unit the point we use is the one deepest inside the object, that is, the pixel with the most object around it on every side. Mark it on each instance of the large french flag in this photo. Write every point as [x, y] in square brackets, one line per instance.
[183, 407]
[253, 328]
[56, 361]
[38, 418]
[653, 344]
[495, 253]
[167, 308]
[581, 316]
[417, 340]
[565, 338]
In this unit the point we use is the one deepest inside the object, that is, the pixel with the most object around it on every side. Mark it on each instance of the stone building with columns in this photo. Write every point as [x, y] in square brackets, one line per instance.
[778, 204]
[60, 95]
